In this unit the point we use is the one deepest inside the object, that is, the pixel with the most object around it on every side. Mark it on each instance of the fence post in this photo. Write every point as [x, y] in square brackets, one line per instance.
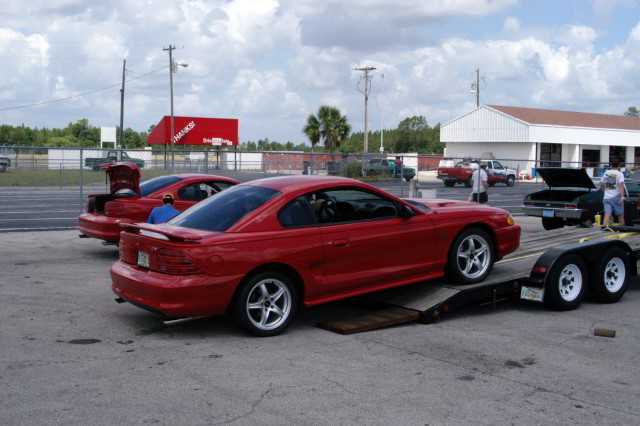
[402, 176]
[60, 175]
[81, 179]
[206, 161]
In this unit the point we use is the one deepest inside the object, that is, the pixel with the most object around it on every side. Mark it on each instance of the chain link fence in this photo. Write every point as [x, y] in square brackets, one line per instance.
[404, 175]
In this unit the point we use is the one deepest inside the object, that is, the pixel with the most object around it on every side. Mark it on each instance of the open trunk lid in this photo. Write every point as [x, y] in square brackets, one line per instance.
[124, 175]
[558, 177]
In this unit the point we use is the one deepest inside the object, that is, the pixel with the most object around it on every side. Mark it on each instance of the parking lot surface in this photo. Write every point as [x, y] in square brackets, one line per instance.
[71, 355]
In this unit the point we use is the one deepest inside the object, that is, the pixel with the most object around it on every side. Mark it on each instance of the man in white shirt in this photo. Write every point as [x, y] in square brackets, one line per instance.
[479, 183]
[613, 183]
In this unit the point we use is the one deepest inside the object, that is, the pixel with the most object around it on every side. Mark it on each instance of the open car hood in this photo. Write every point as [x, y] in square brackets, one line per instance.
[558, 177]
[125, 175]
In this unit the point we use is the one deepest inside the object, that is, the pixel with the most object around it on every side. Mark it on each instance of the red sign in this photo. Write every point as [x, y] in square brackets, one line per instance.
[196, 131]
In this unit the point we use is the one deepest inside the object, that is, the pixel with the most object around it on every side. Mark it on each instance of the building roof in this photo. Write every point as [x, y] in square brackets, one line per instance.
[570, 118]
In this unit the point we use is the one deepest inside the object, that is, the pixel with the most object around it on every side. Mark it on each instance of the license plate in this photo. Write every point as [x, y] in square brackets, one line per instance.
[143, 259]
[529, 293]
[548, 213]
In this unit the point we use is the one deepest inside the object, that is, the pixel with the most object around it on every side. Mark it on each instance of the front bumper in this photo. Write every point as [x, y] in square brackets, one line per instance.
[102, 227]
[508, 239]
[173, 295]
[559, 212]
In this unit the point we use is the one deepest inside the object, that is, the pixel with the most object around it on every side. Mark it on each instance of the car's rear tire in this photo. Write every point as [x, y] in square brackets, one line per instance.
[3, 168]
[611, 277]
[265, 304]
[550, 223]
[467, 183]
[511, 180]
[407, 179]
[449, 183]
[567, 283]
[492, 183]
[471, 256]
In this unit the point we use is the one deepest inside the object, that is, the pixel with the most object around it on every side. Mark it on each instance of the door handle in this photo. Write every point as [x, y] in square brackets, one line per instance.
[342, 242]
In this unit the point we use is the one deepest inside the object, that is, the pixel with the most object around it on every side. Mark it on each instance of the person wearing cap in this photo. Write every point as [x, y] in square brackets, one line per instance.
[479, 183]
[164, 213]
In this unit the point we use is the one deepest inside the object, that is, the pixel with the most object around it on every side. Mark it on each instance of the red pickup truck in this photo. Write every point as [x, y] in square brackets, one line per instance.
[461, 173]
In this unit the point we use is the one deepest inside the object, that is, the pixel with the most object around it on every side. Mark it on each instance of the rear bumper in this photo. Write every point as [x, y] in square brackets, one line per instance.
[102, 227]
[557, 212]
[173, 295]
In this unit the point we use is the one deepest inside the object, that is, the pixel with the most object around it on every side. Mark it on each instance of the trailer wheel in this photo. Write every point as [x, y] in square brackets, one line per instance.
[549, 223]
[611, 277]
[449, 183]
[567, 283]
[467, 183]
[471, 257]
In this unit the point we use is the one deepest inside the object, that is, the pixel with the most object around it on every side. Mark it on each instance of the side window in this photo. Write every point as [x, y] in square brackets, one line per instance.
[191, 192]
[125, 155]
[219, 186]
[497, 166]
[350, 205]
[297, 213]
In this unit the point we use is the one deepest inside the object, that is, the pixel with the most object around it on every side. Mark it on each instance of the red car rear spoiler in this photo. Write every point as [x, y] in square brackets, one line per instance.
[172, 235]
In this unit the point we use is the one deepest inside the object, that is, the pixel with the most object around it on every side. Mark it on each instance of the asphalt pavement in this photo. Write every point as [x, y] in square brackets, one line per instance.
[57, 208]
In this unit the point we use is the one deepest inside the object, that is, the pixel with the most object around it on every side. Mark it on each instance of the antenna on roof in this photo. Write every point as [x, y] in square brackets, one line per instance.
[475, 86]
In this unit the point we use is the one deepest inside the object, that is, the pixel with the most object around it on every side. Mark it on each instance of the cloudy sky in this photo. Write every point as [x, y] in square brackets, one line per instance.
[270, 63]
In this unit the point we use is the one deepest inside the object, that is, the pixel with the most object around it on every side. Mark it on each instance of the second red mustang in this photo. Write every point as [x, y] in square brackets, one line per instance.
[260, 250]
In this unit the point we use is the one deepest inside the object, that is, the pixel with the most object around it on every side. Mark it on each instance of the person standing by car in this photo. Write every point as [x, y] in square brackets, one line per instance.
[613, 183]
[397, 171]
[164, 213]
[479, 183]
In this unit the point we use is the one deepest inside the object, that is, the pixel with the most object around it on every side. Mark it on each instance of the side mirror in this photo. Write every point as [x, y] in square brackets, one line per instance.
[406, 212]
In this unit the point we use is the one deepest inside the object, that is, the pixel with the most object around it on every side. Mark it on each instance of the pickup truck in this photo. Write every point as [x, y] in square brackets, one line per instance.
[461, 173]
[111, 157]
[386, 167]
[5, 162]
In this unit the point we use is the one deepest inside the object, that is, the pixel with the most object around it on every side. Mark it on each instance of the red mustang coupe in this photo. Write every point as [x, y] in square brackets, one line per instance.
[261, 249]
[131, 201]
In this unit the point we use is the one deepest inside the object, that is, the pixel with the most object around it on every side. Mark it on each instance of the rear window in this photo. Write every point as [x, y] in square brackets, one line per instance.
[221, 211]
[152, 185]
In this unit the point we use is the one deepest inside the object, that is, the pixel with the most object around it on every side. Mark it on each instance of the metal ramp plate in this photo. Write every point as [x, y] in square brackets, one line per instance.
[371, 321]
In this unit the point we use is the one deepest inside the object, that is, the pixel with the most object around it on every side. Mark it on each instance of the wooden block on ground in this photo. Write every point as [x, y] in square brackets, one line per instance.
[371, 320]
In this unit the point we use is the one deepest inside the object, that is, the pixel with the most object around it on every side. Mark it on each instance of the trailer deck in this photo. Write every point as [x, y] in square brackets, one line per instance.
[427, 302]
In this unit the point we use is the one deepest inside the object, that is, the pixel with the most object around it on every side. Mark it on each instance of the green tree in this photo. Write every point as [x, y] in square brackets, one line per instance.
[329, 125]
[632, 111]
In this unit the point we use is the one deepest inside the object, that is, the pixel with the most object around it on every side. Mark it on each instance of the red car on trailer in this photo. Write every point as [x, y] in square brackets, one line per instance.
[130, 201]
[261, 249]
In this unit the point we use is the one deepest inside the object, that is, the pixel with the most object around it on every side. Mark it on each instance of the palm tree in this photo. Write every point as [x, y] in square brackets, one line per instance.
[329, 125]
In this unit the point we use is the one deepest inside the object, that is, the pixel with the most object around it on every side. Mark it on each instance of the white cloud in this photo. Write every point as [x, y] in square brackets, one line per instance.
[511, 24]
[576, 35]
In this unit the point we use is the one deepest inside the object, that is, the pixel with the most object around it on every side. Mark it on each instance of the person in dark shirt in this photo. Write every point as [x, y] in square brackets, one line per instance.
[164, 213]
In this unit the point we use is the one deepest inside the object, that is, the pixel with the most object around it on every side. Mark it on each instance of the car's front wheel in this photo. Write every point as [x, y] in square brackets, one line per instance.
[265, 304]
[471, 257]
[511, 180]
[449, 183]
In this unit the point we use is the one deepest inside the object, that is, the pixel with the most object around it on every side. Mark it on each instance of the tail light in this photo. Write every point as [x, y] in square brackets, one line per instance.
[114, 209]
[175, 263]
[571, 206]
[528, 203]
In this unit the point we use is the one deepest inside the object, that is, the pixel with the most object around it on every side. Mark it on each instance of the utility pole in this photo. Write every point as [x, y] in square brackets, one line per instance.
[124, 63]
[367, 89]
[170, 49]
[475, 87]
[382, 117]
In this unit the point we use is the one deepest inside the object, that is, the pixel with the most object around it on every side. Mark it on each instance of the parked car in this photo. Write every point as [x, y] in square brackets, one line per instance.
[130, 201]
[462, 172]
[263, 249]
[111, 157]
[573, 198]
[5, 163]
[386, 167]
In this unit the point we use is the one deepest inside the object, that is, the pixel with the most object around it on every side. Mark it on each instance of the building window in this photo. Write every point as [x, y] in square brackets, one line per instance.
[590, 157]
[550, 155]
[636, 158]
[618, 151]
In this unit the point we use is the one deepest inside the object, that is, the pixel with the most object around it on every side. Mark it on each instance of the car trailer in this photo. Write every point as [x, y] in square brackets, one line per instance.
[555, 270]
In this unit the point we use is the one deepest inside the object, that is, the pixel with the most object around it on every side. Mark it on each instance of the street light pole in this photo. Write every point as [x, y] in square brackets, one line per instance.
[382, 117]
[170, 49]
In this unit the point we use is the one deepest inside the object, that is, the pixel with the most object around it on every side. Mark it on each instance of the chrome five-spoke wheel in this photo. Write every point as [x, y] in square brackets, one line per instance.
[473, 256]
[268, 304]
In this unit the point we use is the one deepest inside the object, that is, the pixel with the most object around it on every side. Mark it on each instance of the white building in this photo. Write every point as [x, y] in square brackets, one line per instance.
[522, 137]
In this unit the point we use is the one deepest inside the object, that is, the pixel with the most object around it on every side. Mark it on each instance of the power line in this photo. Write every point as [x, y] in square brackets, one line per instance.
[80, 94]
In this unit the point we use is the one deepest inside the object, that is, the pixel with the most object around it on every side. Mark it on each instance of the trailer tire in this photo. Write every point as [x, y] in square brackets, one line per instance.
[449, 183]
[611, 278]
[472, 247]
[549, 223]
[467, 183]
[567, 283]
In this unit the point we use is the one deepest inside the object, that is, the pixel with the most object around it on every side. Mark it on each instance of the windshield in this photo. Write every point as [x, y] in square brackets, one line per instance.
[152, 185]
[221, 211]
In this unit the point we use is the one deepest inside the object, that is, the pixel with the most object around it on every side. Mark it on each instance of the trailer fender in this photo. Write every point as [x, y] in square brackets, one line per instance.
[590, 251]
